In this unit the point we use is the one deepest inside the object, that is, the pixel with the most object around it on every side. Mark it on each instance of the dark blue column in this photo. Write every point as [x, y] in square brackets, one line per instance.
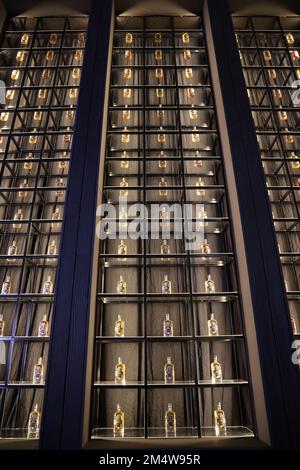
[64, 397]
[271, 314]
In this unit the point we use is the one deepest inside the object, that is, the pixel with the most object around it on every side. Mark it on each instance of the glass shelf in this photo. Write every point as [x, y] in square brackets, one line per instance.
[16, 433]
[231, 432]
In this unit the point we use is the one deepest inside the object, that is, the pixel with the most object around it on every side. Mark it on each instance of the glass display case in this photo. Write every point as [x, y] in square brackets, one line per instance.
[269, 53]
[170, 359]
[41, 61]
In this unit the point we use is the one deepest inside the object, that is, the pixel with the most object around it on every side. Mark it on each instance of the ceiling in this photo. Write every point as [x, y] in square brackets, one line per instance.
[150, 7]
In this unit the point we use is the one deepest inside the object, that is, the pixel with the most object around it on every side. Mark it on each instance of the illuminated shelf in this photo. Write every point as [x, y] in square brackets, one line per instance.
[231, 432]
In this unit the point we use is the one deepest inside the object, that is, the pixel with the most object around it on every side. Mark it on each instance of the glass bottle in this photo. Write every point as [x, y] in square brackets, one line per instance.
[128, 38]
[12, 251]
[15, 74]
[277, 94]
[4, 116]
[198, 162]
[73, 93]
[127, 93]
[10, 94]
[119, 422]
[128, 54]
[162, 163]
[46, 74]
[123, 216]
[159, 73]
[6, 286]
[76, 73]
[205, 248]
[28, 163]
[53, 39]
[158, 55]
[51, 250]
[23, 186]
[267, 55]
[157, 38]
[55, 216]
[126, 114]
[125, 138]
[166, 286]
[193, 113]
[219, 419]
[48, 286]
[2, 325]
[209, 285]
[169, 371]
[272, 74]
[61, 185]
[163, 184]
[283, 115]
[289, 39]
[160, 114]
[37, 116]
[33, 427]
[200, 184]
[289, 139]
[191, 92]
[165, 250]
[122, 250]
[43, 327]
[78, 55]
[187, 54]
[123, 184]
[17, 217]
[202, 214]
[294, 55]
[121, 286]
[170, 421]
[20, 57]
[159, 92]
[127, 73]
[295, 164]
[212, 324]
[298, 73]
[120, 370]
[124, 163]
[33, 138]
[188, 73]
[216, 370]
[38, 372]
[24, 39]
[161, 138]
[119, 327]
[49, 56]
[195, 135]
[168, 326]
[185, 38]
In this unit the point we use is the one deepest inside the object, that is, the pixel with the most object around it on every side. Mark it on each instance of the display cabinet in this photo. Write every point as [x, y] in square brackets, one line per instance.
[169, 352]
[269, 53]
[41, 61]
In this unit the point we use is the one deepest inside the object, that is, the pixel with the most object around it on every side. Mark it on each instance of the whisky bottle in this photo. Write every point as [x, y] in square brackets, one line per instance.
[55, 216]
[294, 326]
[187, 54]
[22, 189]
[283, 115]
[272, 74]
[162, 163]
[188, 73]
[159, 73]
[161, 138]
[42, 93]
[53, 39]
[168, 327]
[4, 116]
[28, 163]
[165, 250]
[6, 286]
[170, 421]
[160, 113]
[127, 93]
[195, 135]
[198, 163]
[205, 248]
[289, 139]
[169, 371]
[18, 217]
[163, 184]
[209, 285]
[128, 54]
[166, 286]
[289, 39]
[43, 327]
[127, 73]
[124, 163]
[38, 372]
[119, 422]
[33, 138]
[76, 73]
[119, 327]
[159, 93]
[185, 38]
[70, 114]
[123, 184]
[51, 250]
[10, 94]
[48, 286]
[15, 74]
[295, 164]
[191, 92]
[49, 56]
[33, 427]
[158, 55]
[61, 186]
[20, 57]
[12, 251]
[128, 38]
[193, 114]
[267, 55]
[212, 324]
[46, 74]
[126, 114]
[277, 94]
[216, 370]
[24, 39]
[157, 38]
[121, 286]
[200, 184]
[2, 325]
[120, 370]
[294, 55]
[125, 138]
[220, 421]
[122, 251]
[37, 116]
[298, 73]
[202, 214]
[78, 55]
[62, 164]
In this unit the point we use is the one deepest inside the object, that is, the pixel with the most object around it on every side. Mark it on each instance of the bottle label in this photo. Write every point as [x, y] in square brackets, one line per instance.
[119, 373]
[119, 328]
[166, 287]
[5, 288]
[213, 329]
[43, 328]
[37, 377]
[169, 373]
[168, 330]
[118, 421]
